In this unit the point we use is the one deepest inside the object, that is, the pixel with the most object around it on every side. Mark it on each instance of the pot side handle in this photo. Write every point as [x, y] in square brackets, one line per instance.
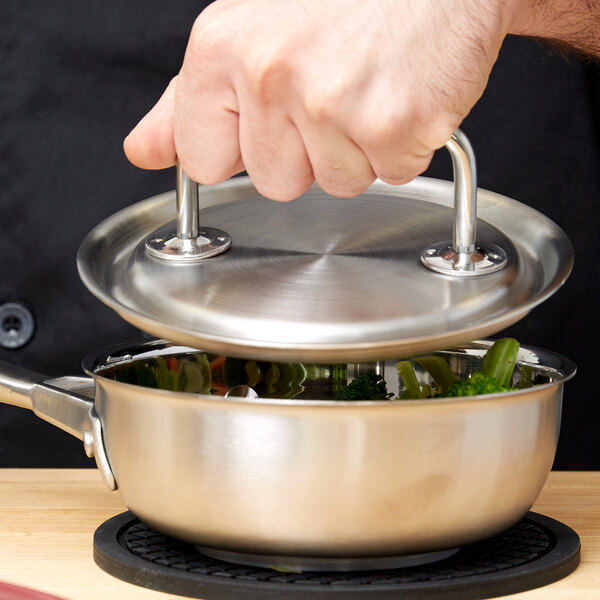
[66, 402]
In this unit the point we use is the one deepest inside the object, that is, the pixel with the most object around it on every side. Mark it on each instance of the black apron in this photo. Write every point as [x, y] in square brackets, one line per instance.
[77, 76]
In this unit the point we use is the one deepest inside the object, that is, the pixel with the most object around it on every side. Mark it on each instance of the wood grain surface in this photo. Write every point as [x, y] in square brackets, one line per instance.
[48, 518]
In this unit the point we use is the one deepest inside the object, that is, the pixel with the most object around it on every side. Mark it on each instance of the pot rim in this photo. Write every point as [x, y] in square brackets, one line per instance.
[93, 363]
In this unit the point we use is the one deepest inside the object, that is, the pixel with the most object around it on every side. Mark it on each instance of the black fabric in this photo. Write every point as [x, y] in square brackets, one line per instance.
[76, 76]
[537, 139]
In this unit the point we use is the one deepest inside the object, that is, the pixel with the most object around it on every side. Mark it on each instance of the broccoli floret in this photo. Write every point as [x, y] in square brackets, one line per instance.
[475, 385]
[365, 387]
[495, 375]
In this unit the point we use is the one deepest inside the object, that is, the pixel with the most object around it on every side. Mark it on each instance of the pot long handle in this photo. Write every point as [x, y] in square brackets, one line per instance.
[61, 401]
[17, 385]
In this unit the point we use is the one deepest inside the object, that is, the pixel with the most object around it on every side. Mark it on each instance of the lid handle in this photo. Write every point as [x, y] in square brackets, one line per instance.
[463, 256]
[188, 241]
[187, 205]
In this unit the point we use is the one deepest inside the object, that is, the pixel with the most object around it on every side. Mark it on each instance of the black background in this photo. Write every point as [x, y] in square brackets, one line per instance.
[76, 76]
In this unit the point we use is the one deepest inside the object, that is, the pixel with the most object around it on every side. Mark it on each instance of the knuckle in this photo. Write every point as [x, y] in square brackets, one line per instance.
[401, 165]
[405, 170]
[277, 173]
[266, 74]
[281, 192]
[209, 35]
[397, 178]
[344, 188]
[420, 128]
[385, 131]
[438, 130]
[322, 106]
[385, 128]
[203, 174]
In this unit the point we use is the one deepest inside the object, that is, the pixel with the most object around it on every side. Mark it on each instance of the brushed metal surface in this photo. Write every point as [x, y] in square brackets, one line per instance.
[325, 279]
[333, 479]
[313, 478]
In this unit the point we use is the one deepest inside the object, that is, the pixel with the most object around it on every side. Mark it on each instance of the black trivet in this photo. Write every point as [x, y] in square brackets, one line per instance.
[534, 552]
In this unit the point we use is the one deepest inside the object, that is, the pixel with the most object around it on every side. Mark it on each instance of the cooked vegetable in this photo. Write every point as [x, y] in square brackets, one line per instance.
[267, 379]
[365, 387]
[500, 360]
[208, 374]
[495, 375]
[184, 373]
[439, 370]
[496, 372]
[413, 390]
[526, 380]
[477, 384]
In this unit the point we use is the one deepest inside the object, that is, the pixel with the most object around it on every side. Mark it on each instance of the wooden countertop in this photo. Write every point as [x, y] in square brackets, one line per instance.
[48, 518]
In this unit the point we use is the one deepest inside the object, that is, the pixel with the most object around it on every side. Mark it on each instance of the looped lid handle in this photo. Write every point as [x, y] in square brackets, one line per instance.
[189, 241]
[463, 256]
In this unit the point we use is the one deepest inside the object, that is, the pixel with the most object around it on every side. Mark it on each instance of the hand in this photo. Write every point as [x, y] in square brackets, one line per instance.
[337, 91]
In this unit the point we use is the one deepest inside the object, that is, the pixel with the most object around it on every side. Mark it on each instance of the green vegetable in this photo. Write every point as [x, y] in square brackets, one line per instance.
[195, 374]
[439, 370]
[182, 374]
[192, 373]
[500, 360]
[291, 376]
[253, 373]
[526, 380]
[496, 372]
[495, 375]
[365, 387]
[268, 379]
[477, 384]
[238, 371]
[166, 379]
[412, 389]
[136, 373]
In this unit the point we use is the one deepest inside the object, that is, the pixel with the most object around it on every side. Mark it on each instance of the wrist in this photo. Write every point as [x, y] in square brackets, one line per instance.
[573, 24]
[528, 17]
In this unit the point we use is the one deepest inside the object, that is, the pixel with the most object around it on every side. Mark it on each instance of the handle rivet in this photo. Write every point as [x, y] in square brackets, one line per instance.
[88, 443]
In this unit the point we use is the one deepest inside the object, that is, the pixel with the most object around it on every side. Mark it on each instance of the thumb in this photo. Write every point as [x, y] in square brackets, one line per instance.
[151, 144]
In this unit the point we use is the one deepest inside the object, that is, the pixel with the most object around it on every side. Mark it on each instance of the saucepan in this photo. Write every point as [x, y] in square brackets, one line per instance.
[300, 475]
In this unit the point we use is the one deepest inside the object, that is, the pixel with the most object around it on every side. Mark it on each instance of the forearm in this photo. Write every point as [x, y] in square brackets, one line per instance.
[569, 23]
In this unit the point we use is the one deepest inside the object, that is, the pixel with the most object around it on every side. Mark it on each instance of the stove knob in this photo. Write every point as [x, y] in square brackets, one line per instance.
[16, 325]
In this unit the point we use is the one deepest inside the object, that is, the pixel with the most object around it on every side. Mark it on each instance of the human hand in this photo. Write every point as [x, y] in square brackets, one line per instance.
[337, 91]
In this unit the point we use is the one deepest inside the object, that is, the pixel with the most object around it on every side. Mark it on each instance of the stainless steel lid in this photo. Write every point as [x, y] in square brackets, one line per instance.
[326, 279]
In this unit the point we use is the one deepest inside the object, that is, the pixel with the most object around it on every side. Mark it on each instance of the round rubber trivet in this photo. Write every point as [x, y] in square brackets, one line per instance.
[534, 552]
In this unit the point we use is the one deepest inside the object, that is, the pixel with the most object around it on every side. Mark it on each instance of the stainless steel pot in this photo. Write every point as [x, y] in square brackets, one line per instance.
[297, 478]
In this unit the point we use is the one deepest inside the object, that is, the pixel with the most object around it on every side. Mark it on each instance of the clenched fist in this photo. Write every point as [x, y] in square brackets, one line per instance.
[337, 91]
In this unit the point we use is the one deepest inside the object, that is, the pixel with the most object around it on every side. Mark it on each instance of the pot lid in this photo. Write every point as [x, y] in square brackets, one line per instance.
[396, 271]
